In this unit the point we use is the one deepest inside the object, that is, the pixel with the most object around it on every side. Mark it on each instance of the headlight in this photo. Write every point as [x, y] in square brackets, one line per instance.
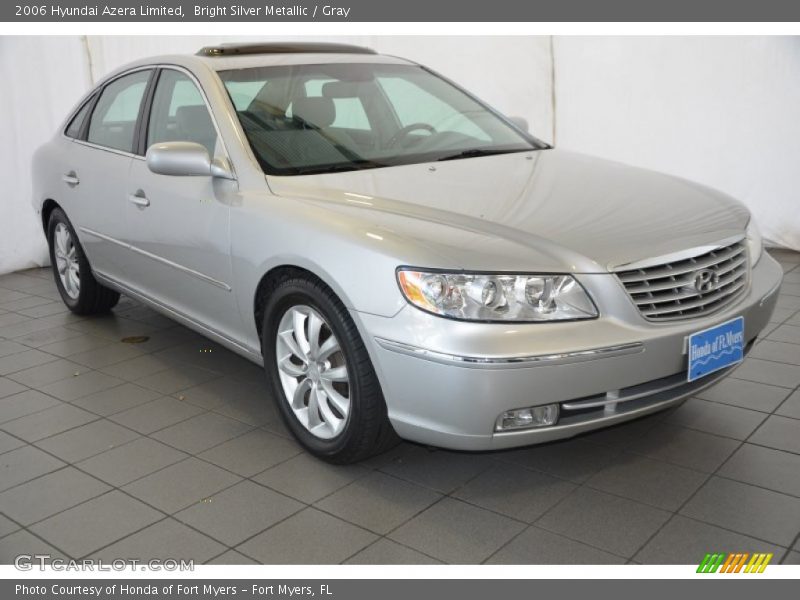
[488, 297]
[755, 244]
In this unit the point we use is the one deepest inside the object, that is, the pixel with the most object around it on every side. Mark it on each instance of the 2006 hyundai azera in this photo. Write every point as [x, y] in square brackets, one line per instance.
[402, 259]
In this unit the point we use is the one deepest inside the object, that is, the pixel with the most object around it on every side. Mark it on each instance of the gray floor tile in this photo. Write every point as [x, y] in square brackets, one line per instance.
[9, 387]
[116, 399]
[231, 557]
[47, 336]
[131, 461]
[137, 368]
[163, 540]
[7, 526]
[175, 378]
[25, 403]
[88, 527]
[750, 510]
[23, 542]
[746, 394]
[50, 494]
[649, 481]
[575, 459]
[685, 447]
[455, 532]
[792, 558]
[782, 433]
[387, 552]
[252, 452]
[24, 464]
[181, 484]
[157, 414]
[201, 432]
[439, 470]
[515, 491]
[763, 371]
[7, 347]
[309, 479]
[239, 512]
[82, 385]
[9, 442]
[786, 333]
[85, 441]
[44, 310]
[26, 301]
[218, 392]
[777, 351]
[685, 541]
[378, 502]
[255, 412]
[74, 345]
[48, 422]
[536, 546]
[14, 363]
[615, 524]
[716, 418]
[791, 407]
[309, 537]
[765, 467]
[106, 355]
[43, 375]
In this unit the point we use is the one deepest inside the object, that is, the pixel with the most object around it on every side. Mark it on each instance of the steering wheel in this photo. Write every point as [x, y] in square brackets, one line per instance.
[403, 132]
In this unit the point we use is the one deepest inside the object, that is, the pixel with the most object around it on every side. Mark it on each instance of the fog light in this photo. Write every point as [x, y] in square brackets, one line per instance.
[524, 418]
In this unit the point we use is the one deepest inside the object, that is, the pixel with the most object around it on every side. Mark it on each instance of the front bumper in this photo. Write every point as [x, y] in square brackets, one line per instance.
[445, 382]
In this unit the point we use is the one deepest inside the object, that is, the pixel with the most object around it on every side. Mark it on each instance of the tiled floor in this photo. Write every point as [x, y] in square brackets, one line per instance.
[170, 448]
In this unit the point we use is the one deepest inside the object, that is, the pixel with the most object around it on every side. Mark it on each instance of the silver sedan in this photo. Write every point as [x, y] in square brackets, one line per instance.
[402, 259]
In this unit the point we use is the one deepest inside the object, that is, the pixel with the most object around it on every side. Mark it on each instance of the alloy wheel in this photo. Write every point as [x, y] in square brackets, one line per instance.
[66, 255]
[313, 372]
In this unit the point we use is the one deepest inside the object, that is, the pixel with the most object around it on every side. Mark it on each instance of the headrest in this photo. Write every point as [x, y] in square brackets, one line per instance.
[318, 112]
[194, 119]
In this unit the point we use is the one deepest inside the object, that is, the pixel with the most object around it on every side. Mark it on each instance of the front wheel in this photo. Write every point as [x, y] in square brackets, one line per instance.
[78, 288]
[321, 375]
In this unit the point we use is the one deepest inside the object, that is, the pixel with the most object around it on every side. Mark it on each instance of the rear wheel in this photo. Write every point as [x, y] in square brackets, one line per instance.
[78, 288]
[321, 375]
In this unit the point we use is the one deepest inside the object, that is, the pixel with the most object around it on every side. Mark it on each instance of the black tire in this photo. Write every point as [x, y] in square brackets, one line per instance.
[93, 298]
[367, 430]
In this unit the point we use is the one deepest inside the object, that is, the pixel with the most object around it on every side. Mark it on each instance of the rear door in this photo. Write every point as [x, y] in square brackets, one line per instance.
[98, 166]
[178, 227]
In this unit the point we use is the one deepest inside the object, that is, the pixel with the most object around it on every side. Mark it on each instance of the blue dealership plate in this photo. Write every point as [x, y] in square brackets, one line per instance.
[716, 348]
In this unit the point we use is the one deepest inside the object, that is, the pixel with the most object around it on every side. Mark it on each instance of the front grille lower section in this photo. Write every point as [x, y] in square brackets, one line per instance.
[668, 291]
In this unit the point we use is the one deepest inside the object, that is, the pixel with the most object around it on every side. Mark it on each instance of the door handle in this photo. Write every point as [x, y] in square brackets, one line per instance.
[139, 199]
[71, 179]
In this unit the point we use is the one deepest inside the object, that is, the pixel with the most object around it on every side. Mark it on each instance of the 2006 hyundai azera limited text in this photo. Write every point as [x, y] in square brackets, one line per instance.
[403, 260]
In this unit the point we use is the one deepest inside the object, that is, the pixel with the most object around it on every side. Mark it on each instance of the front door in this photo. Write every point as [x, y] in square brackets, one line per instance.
[177, 227]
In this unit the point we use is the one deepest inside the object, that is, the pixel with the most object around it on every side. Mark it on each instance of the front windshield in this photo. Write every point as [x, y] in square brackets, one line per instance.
[336, 117]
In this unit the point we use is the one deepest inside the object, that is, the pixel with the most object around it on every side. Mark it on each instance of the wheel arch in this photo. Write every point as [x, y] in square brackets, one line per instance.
[48, 206]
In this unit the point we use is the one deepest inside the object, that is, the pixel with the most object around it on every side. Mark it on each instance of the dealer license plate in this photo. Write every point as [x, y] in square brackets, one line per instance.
[716, 348]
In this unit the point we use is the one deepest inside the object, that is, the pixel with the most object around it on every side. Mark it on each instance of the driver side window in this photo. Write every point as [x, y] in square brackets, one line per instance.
[179, 113]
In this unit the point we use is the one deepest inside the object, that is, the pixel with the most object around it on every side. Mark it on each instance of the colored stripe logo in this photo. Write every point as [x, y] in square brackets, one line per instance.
[734, 562]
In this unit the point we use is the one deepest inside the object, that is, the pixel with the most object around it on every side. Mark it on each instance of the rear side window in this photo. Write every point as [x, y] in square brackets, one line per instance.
[113, 122]
[74, 128]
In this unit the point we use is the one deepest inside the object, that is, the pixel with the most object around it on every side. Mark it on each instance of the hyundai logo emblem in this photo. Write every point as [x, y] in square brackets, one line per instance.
[705, 281]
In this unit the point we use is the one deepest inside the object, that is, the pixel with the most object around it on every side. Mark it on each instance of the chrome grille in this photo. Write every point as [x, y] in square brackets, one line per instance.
[669, 291]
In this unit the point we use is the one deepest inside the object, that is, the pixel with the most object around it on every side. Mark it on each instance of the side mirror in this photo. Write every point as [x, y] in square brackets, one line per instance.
[521, 123]
[185, 159]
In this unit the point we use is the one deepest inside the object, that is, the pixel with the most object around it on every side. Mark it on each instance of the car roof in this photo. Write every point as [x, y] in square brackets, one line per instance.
[241, 56]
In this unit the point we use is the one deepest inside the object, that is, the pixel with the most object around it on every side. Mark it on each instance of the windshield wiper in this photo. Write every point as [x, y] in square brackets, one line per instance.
[349, 166]
[475, 152]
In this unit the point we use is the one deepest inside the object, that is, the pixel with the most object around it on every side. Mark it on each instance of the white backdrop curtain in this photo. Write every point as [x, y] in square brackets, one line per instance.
[721, 111]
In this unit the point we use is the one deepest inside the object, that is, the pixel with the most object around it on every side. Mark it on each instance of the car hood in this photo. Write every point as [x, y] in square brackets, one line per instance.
[560, 209]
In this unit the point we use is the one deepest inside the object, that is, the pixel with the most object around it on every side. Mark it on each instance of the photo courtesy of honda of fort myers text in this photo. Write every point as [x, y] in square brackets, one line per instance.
[336, 301]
